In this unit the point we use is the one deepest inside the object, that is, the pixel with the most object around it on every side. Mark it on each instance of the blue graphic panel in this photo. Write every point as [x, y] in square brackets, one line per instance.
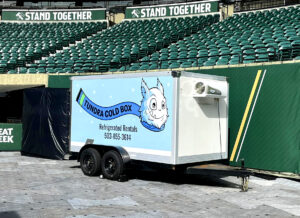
[130, 112]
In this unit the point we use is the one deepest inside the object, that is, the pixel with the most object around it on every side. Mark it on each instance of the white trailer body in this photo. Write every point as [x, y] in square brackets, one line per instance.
[164, 117]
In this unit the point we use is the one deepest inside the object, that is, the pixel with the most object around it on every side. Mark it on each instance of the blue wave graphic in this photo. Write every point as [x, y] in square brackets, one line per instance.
[112, 112]
[107, 113]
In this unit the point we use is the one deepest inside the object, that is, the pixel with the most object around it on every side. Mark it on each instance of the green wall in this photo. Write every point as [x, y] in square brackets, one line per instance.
[59, 81]
[10, 137]
[272, 140]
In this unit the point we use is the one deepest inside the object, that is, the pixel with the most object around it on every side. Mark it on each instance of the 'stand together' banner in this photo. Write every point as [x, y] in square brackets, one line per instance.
[172, 10]
[54, 15]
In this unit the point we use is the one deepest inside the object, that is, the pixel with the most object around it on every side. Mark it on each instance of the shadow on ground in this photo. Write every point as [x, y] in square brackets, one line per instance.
[180, 179]
[9, 214]
[170, 177]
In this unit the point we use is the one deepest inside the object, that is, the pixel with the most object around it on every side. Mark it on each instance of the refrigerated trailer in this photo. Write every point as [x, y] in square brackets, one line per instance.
[170, 118]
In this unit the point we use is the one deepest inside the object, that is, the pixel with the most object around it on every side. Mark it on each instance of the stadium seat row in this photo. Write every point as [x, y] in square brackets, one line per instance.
[22, 43]
[127, 42]
[243, 38]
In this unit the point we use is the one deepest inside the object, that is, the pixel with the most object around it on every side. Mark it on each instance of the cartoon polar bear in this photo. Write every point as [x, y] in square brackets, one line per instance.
[153, 108]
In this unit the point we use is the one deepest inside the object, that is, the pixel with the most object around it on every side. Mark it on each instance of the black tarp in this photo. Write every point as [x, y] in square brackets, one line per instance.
[46, 119]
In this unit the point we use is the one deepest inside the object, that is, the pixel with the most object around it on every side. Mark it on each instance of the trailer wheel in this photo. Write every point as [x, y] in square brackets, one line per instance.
[112, 165]
[90, 162]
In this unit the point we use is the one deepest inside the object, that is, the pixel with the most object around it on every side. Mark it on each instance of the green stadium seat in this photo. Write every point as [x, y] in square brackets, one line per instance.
[50, 70]
[12, 72]
[22, 70]
[174, 65]
[41, 70]
[209, 63]
[233, 62]
[186, 65]
[31, 70]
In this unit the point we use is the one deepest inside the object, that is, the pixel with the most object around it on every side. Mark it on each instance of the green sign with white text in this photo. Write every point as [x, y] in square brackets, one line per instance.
[54, 15]
[191, 8]
[10, 137]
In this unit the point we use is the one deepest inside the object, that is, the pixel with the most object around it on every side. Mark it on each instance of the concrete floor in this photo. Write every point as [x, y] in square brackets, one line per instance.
[34, 187]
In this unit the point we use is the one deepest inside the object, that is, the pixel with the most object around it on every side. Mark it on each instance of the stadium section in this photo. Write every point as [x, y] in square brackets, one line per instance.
[37, 41]
[26, 37]
[271, 35]
[130, 40]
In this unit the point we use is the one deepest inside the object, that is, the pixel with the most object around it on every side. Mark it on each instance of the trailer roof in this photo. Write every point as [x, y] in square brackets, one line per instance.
[147, 74]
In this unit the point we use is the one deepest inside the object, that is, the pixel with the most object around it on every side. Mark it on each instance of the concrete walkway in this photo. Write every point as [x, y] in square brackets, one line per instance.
[34, 187]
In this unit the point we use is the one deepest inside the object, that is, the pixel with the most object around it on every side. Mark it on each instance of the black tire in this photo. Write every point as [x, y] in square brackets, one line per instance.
[90, 162]
[112, 165]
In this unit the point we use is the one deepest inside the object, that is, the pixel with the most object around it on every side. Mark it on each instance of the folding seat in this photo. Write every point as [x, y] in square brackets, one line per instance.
[192, 54]
[11, 64]
[262, 57]
[103, 68]
[209, 63]
[261, 51]
[162, 57]
[134, 68]
[86, 69]
[186, 65]
[21, 61]
[163, 65]
[144, 66]
[247, 59]
[31, 70]
[222, 62]
[233, 62]
[295, 48]
[174, 65]
[22, 70]
[249, 51]
[285, 51]
[41, 70]
[153, 66]
[12, 72]
[50, 70]
[213, 53]
[202, 60]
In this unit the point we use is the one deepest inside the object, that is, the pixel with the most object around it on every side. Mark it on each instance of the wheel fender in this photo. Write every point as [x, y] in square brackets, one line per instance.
[124, 154]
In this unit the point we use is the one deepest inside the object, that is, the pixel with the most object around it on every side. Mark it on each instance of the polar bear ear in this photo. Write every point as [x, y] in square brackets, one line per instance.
[144, 89]
[160, 86]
